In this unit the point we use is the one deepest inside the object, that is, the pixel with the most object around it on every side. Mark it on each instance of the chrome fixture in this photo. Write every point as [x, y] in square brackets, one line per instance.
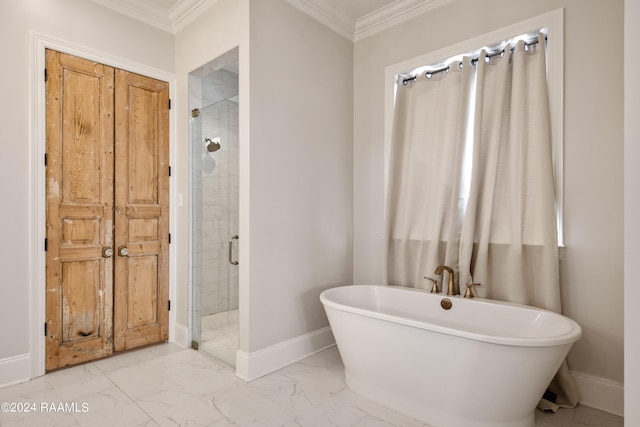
[468, 293]
[231, 261]
[451, 288]
[213, 145]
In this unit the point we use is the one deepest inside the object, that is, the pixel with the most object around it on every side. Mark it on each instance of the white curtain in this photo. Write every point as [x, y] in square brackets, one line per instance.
[502, 231]
[429, 140]
[509, 241]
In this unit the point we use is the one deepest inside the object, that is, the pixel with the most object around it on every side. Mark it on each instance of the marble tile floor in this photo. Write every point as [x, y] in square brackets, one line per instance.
[165, 385]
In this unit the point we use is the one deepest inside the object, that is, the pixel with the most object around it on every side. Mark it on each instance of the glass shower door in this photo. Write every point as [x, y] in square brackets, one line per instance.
[214, 229]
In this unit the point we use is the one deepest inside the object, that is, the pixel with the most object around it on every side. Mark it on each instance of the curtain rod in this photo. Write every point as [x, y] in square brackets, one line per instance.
[474, 61]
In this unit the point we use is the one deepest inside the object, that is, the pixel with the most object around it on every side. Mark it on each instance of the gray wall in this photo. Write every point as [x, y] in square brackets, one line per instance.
[301, 170]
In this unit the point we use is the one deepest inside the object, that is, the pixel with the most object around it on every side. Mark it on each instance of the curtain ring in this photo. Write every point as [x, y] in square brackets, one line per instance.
[428, 75]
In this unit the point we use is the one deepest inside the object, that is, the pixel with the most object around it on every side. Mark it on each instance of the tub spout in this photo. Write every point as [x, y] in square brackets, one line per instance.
[451, 289]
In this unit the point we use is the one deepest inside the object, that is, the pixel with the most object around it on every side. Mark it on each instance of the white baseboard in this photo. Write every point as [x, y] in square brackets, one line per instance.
[250, 366]
[180, 336]
[15, 369]
[600, 393]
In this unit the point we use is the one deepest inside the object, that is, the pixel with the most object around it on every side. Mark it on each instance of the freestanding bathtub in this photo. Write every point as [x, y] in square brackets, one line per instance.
[480, 363]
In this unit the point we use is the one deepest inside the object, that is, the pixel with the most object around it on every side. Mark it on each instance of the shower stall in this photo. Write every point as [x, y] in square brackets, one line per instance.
[214, 169]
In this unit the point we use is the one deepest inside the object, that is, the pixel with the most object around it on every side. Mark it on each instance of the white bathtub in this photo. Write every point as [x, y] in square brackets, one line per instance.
[482, 363]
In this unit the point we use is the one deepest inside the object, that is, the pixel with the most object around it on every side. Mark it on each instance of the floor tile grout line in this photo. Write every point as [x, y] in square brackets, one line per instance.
[136, 404]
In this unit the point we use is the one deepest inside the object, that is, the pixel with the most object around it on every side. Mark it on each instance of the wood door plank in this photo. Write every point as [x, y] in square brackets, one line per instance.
[150, 210]
[78, 253]
[79, 210]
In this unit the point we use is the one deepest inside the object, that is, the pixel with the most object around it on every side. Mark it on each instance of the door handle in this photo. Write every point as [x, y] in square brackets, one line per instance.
[123, 251]
[231, 261]
[107, 251]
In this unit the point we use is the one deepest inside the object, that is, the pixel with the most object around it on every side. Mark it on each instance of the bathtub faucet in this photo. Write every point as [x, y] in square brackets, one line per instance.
[451, 288]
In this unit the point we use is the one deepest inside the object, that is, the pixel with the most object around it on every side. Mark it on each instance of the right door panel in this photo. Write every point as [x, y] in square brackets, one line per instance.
[141, 211]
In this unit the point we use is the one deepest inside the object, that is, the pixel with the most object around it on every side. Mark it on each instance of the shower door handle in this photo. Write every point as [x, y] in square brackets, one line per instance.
[231, 261]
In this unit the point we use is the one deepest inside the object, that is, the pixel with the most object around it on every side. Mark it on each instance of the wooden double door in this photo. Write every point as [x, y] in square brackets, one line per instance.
[107, 207]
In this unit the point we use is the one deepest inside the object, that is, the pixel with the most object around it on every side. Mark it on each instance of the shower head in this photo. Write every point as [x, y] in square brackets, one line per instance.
[212, 145]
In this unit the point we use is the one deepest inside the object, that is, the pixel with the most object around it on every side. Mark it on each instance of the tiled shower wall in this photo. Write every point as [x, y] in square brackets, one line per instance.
[215, 190]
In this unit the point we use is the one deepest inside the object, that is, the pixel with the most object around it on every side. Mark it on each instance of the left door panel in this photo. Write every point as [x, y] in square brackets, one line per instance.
[79, 188]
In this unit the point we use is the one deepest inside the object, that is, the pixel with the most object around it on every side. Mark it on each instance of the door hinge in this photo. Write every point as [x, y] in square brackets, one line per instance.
[45, 159]
[169, 170]
[45, 329]
[46, 245]
[169, 238]
[169, 103]
[46, 77]
[169, 305]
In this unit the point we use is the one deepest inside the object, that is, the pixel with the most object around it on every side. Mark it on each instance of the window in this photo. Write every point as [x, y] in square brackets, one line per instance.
[552, 22]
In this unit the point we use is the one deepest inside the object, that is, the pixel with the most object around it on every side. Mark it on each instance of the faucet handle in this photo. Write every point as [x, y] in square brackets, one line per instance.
[468, 293]
[434, 289]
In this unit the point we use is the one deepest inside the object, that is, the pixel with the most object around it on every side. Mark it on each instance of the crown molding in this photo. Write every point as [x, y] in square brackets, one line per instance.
[393, 14]
[171, 20]
[142, 11]
[327, 14]
[185, 11]
[365, 26]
